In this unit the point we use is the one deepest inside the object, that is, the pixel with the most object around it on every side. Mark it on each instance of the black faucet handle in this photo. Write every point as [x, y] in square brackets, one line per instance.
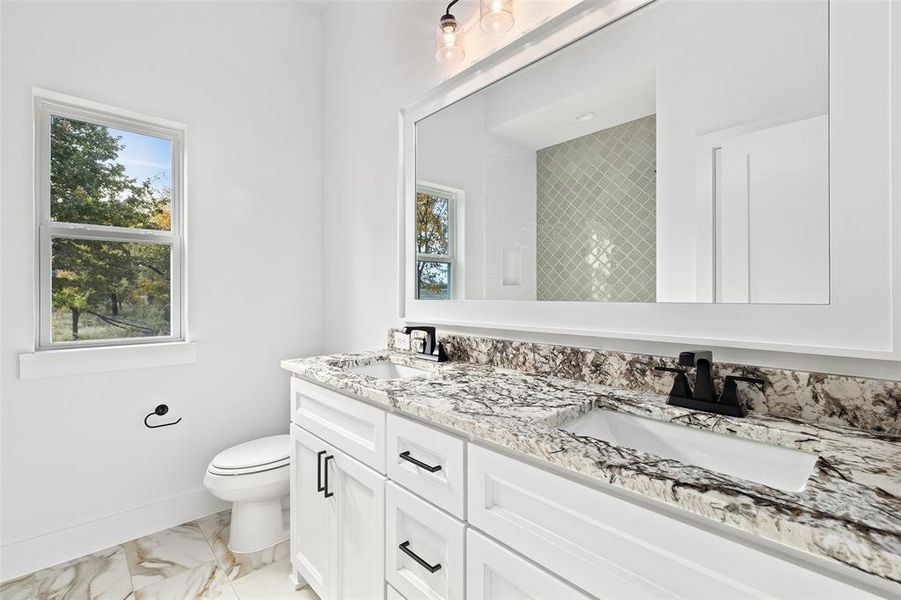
[431, 338]
[730, 388]
[681, 387]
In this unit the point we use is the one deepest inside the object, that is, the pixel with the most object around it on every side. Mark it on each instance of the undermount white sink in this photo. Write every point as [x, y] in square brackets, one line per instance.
[782, 468]
[385, 369]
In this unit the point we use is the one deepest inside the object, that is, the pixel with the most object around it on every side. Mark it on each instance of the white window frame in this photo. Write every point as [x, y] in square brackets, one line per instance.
[50, 103]
[454, 256]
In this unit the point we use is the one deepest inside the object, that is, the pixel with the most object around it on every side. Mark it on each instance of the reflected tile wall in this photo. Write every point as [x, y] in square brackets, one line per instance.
[597, 216]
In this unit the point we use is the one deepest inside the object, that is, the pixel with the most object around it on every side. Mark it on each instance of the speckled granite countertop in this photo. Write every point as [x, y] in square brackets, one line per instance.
[849, 511]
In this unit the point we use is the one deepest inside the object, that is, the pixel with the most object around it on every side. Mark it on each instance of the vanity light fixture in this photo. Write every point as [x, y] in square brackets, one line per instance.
[496, 16]
[449, 38]
[584, 117]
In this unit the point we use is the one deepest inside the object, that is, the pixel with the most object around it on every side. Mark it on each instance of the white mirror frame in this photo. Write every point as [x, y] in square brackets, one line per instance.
[863, 319]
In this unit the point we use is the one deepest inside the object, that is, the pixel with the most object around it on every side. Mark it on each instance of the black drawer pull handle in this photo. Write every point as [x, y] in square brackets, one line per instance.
[319, 486]
[327, 494]
[406, 456]
[405, 548]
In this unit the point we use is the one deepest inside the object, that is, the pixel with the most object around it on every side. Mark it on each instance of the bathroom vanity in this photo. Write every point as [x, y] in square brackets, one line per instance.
[413, 479]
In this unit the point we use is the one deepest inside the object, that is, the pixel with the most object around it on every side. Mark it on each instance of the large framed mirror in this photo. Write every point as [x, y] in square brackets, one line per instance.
[667, 170]
[679, 154]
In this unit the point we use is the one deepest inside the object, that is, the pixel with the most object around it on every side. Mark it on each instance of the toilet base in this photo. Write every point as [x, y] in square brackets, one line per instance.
[256, 525]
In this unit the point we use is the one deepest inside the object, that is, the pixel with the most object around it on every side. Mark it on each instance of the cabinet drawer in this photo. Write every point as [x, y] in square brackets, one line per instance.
[392, 594]
[425, 532]
[495, 573]
[347, 423]
[440, 476]
[613, 548]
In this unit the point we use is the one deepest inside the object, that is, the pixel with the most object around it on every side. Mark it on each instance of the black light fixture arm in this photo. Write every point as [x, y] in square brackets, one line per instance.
[447, 12]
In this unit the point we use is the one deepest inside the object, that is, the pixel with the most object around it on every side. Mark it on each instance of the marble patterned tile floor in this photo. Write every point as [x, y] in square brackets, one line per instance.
[190, 561]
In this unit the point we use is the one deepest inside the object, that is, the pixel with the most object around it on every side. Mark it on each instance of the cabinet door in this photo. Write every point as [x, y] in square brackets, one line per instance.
[495, 573]
[357, 509]
[309, 511]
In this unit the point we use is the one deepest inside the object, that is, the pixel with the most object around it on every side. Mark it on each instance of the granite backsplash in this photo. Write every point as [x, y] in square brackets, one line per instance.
[868, 404]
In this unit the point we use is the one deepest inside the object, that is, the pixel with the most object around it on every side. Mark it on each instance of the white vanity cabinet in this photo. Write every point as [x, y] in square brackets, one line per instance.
[384, 506]
[339, 510]
[337, 497]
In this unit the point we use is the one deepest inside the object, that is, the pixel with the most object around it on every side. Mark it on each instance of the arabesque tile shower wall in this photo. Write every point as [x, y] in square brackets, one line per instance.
[597, 216]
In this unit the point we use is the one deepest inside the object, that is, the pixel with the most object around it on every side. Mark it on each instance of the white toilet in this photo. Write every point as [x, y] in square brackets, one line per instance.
[254, 476]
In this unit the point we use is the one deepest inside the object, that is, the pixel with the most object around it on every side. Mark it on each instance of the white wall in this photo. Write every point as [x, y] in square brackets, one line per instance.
[79, 470]
[499, 213]
[449, 153]
[510, 219]
[365, 84]
[743, 84]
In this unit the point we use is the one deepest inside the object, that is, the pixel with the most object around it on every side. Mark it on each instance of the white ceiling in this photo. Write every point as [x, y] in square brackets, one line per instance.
[622, 97]
[612, 75]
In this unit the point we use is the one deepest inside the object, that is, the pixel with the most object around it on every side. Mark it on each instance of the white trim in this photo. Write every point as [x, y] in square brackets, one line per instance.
[102, 359]
[47, 103]
[862, 320]
[82, 231]
[20, 557]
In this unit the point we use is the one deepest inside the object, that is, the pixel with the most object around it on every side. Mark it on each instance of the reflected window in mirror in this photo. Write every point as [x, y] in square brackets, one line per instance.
[436, 264]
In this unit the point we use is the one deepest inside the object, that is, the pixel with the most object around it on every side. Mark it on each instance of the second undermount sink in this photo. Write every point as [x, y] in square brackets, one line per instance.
[385, 369]
[782, 468]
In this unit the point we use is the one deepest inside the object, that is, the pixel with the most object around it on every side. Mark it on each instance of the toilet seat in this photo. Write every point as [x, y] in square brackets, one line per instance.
[256, 456]
[225, 472]
[255, 478]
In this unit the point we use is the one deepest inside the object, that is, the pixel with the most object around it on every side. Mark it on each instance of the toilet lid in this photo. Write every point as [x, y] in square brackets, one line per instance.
[265, 451]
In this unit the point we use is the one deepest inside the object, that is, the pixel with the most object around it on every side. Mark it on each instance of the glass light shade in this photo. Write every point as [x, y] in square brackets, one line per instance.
[449, 42]
[497, 16]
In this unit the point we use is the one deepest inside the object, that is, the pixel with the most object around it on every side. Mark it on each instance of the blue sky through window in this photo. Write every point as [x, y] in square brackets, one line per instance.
[146, 157]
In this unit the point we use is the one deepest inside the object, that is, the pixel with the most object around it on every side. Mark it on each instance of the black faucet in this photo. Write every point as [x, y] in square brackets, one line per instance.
[703, 396]
[702, 360]
[432, 349]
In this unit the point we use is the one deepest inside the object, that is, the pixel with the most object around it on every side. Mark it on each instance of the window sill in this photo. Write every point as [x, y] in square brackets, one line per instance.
[80, 361]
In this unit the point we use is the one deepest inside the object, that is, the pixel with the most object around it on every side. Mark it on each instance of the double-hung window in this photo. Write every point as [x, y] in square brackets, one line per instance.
[110, 194]
[435, 245]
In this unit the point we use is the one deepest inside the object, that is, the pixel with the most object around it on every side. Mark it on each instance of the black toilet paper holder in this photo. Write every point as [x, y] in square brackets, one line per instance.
[160, 410]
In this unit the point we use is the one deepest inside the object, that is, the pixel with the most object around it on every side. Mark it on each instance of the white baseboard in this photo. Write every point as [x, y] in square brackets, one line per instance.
[48, 549]
[296, 579]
